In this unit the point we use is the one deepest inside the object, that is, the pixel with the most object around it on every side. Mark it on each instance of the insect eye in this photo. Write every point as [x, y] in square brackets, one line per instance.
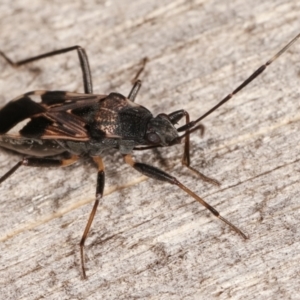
[153, 138]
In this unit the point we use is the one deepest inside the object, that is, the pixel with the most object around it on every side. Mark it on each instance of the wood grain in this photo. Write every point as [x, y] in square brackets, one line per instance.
[149, 240]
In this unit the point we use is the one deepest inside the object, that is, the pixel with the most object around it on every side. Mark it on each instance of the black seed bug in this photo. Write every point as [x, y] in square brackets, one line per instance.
[87, 124]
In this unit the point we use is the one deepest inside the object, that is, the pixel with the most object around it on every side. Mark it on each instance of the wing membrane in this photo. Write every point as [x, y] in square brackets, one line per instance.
[49, 115]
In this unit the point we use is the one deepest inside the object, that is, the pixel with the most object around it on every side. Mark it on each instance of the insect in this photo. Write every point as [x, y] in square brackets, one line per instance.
[86, 124]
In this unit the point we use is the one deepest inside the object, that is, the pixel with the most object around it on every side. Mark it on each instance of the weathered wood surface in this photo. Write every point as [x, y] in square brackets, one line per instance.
[150, 240]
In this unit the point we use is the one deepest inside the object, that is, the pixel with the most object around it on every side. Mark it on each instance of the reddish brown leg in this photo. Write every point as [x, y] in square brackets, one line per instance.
[136, 82]
[141, 69]
[99, 194]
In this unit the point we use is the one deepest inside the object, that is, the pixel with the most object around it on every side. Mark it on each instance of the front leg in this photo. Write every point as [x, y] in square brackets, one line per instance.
[158, 174]
[186, 160]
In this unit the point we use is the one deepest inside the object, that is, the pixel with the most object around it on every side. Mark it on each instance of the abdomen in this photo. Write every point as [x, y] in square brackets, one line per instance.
[32, 147]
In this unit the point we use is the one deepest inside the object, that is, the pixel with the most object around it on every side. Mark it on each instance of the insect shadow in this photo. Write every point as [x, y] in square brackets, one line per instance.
[43, 125]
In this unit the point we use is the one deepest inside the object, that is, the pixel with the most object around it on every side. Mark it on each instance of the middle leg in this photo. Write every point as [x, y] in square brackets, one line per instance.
[186, 160]
[99, 194]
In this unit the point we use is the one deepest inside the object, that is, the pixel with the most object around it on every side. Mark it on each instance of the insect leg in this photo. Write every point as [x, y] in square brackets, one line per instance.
[134, 91]
[99, 194]
[40, 162]
[186, 161]
[141, 69]
[83, 59]
[136, 82]
[158, 174]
